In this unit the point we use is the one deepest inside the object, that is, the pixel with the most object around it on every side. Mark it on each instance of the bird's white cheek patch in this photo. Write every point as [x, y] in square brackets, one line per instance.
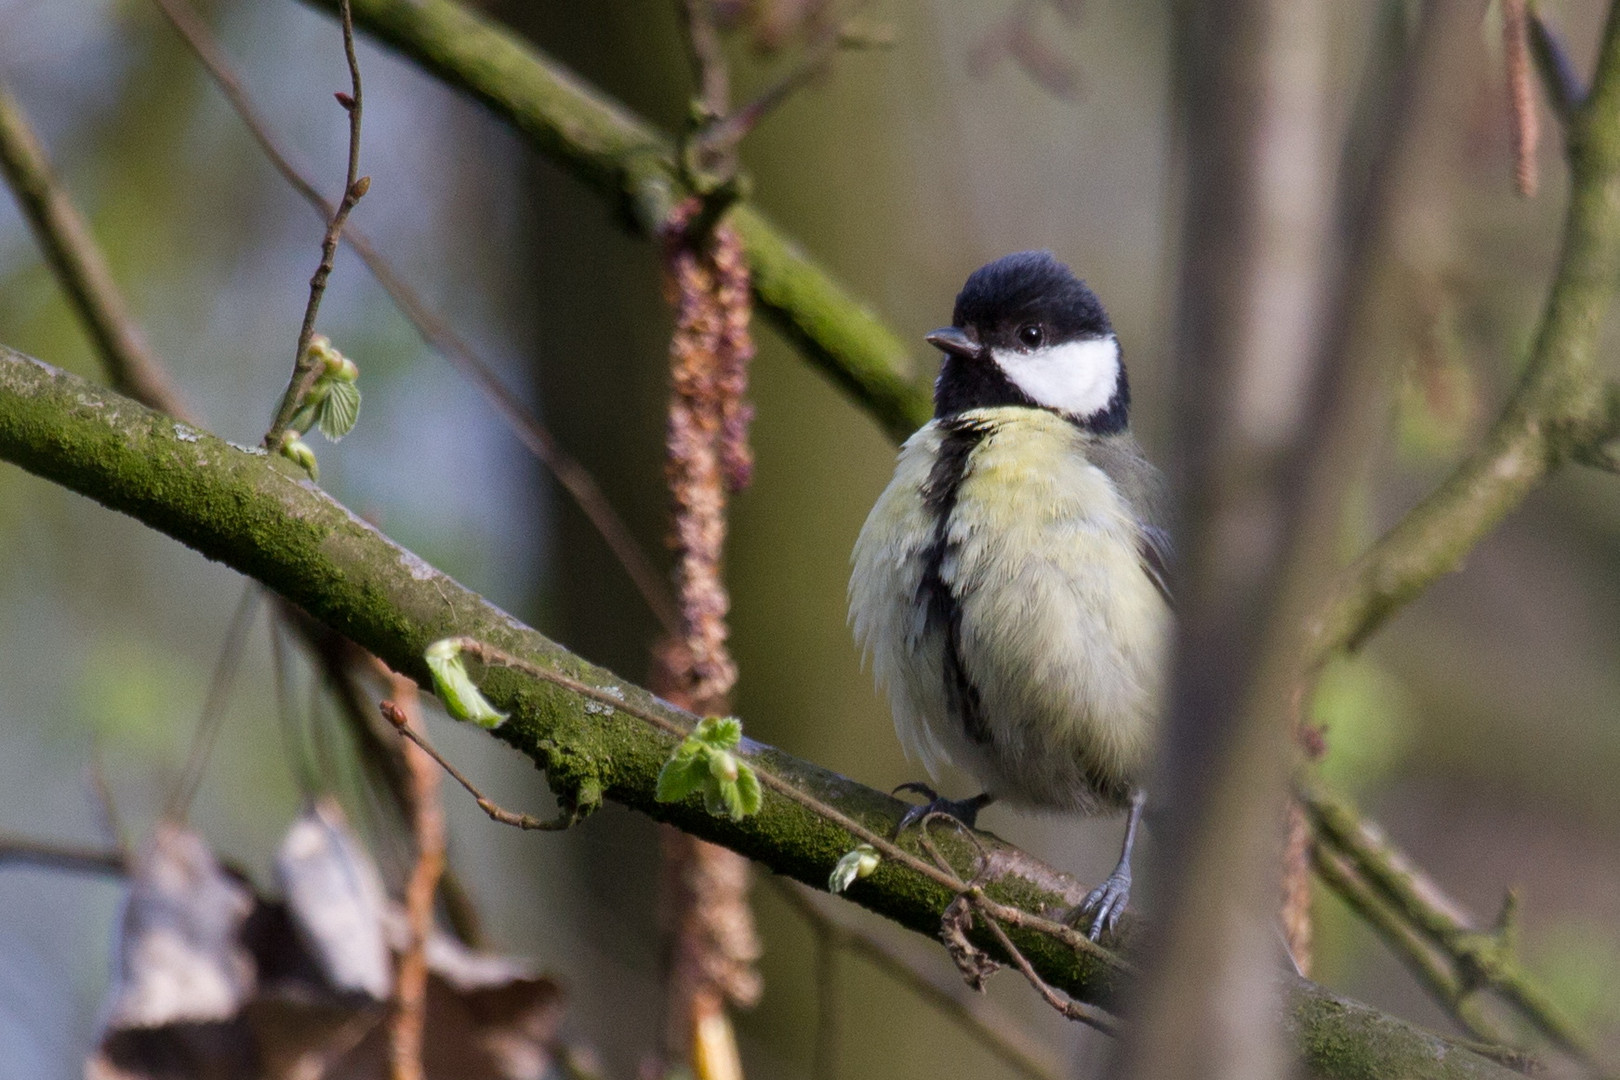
[1077, 377]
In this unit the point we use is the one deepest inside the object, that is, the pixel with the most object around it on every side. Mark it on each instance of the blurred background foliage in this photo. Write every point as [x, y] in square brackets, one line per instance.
[1482, 728]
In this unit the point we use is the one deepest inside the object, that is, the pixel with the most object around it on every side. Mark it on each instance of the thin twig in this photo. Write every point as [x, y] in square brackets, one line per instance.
[996, 1033]
[380, 751]
[1070, 1008]
[16, 850]
[824, 1063]
[79, 266]
[708, 56]
[305, 367]
[408, 1019]
[213, 714]
[574, 478]
[720, 139]
[112, 822]
[1067, 1007]
[292, 731]
[486, 804]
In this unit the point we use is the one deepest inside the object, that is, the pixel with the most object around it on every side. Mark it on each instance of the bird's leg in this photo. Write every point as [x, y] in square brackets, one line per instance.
[964, 810]
[1106, 903]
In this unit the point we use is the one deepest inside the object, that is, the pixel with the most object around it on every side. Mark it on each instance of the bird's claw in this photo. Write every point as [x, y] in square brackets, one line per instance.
[964, 810]
[1103, 906]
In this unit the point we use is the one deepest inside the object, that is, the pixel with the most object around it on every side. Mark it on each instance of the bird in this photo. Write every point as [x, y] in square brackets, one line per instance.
[1011, 586]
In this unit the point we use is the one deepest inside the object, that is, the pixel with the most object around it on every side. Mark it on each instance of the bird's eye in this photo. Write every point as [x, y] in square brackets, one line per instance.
[1030, 335]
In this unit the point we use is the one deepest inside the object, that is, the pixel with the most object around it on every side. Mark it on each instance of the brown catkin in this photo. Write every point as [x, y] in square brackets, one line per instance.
[712, 944]
[1521, 95]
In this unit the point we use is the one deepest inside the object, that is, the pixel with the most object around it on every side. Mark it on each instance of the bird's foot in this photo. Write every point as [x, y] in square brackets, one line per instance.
[1102, 906]
[964, 810]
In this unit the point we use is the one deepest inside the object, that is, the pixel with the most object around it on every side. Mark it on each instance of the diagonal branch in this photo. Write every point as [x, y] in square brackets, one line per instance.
[1415, 916]
[1562, 408]
[64, 236]
[258, 515]
[635, 167]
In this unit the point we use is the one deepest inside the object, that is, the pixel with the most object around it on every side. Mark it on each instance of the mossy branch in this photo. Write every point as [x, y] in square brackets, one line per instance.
[636, 168]
[260, 516]
[1563, 408]
[1453, 957]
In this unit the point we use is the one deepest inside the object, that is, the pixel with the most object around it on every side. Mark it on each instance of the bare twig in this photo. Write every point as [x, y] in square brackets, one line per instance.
[381, 753]
[486, 804]
[64, 236]
[574, 478]
[996, 1033]
[719, 140]
[973, 894]
[708, 55]
[1086, 1014]
[18, 851]
[1479, 958]
[213, 714]
[409, 1014]
[1521, 95]
[824, 1062]
[305, 367]
[112, 822]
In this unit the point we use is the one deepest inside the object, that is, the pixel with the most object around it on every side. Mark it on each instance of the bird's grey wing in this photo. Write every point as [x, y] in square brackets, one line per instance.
[1157, 558]
[1143, 489]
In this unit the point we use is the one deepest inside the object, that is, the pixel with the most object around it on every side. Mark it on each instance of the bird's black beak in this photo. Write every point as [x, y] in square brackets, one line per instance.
[954, 341]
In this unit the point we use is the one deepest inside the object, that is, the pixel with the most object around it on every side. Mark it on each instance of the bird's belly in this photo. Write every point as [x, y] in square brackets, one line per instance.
[1061, 634]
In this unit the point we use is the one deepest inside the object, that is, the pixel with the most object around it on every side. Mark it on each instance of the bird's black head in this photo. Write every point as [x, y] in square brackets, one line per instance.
[1027, 332]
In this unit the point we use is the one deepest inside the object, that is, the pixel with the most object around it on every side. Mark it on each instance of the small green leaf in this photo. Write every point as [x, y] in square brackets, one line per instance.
[338, 410]
[680, 777]
[462, 698]
[856, 863]
[737, 795]
[749, 796]
[705, 762]
[720, 732]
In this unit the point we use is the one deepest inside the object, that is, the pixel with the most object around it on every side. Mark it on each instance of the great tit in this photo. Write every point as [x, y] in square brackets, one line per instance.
[1010, 587]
